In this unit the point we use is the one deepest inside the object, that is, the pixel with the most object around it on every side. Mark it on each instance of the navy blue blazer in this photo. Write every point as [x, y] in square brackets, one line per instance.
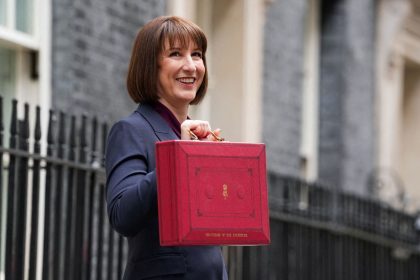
[132, 204]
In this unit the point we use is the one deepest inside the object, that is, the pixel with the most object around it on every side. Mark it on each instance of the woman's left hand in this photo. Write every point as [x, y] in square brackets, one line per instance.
[200, 128]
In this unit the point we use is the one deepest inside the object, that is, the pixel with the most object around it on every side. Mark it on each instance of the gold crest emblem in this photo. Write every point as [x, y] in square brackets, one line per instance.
[225, 191]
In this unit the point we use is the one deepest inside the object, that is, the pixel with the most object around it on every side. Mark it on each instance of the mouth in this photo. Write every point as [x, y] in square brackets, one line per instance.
[186, 80]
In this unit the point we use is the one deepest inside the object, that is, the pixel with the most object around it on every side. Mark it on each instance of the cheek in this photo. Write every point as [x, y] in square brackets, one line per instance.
[201, 68]
[161, 83]
[162, 78]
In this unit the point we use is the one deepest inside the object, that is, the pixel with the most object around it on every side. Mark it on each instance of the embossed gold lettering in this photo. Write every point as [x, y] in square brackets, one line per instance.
[227, 234]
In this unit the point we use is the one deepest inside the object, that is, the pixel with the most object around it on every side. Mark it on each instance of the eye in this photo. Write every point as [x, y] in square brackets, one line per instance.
[175, 53]
[197, 54]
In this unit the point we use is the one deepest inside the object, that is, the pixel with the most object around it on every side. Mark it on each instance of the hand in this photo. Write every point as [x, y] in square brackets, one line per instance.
[200, 128]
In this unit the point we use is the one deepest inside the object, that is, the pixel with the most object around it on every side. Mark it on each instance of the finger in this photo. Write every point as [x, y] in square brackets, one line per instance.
[215, 135]
[217, 131]
[202, 130]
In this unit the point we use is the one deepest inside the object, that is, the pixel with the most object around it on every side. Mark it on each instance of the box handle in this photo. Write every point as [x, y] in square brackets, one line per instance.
[194, 137]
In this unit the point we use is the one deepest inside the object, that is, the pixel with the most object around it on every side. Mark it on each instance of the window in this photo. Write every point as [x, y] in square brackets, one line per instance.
[17, 15]
[2, 12]
[18, 26]
[24, 16]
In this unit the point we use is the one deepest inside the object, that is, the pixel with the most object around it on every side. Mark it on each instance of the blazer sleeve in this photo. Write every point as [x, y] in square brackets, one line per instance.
[131, 190]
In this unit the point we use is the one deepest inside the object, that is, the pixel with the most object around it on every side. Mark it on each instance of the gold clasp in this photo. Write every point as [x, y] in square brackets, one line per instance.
[218, 138]
[194, 137]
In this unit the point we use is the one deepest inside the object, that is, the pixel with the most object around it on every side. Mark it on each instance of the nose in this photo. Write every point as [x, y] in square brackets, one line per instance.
[189, 64]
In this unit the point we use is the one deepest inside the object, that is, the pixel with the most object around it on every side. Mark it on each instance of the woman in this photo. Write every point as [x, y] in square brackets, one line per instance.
[167, 73]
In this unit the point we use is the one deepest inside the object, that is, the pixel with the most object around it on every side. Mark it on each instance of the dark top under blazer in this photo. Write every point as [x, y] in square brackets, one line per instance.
[132, 204]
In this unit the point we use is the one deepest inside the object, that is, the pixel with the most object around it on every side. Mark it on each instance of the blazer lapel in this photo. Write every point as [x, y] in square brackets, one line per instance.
[160, 127]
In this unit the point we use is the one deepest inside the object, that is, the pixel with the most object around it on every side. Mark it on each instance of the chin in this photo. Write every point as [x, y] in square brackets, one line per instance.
[188, 97]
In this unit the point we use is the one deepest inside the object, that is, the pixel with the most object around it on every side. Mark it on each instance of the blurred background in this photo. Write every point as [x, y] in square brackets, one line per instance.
[332, 87]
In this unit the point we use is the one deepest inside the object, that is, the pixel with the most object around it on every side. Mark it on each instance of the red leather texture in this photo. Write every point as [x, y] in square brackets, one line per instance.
[212, 193]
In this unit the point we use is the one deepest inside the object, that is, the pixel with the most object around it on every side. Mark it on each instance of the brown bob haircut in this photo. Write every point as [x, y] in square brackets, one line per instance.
[142, 77]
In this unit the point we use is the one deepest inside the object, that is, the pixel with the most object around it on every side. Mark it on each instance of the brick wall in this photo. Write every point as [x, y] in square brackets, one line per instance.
[347, 134]
[91, 45]
[282, 84]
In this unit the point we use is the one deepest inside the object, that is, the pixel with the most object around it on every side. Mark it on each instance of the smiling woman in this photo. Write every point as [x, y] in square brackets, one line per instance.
[150, 44]
[167, 73]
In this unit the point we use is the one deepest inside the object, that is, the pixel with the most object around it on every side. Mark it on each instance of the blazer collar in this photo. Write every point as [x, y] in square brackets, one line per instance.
[158, 124]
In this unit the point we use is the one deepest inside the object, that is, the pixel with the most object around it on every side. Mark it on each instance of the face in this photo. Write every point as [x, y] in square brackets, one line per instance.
[181, 72]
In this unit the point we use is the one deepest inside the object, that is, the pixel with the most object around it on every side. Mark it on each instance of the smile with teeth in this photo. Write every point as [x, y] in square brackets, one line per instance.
[186, 80]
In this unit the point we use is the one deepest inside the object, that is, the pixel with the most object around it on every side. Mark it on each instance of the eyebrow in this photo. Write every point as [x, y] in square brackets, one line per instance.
[180, 48]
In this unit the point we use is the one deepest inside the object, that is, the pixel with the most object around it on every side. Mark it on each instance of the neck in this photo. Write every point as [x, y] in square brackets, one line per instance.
[180, 112]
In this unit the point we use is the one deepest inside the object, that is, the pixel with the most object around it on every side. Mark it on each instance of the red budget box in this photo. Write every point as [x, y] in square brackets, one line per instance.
[212, 193]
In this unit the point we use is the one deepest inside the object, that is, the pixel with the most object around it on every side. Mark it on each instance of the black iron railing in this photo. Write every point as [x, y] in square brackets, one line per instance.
[313, 237]
[64, 191]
